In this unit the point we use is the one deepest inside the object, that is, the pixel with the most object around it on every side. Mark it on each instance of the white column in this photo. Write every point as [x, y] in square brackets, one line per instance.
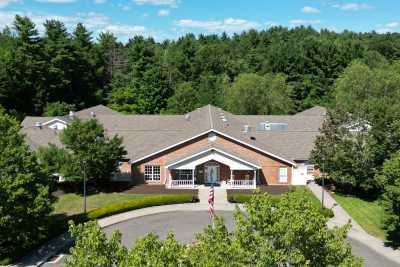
[168, 178]
[254, 178]
[193, 178]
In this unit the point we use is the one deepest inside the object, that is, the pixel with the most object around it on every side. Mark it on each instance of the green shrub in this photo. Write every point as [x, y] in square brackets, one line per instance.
[243, 198]
[138, 204]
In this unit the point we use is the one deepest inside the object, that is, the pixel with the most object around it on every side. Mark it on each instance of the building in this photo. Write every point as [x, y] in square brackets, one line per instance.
[205, 146]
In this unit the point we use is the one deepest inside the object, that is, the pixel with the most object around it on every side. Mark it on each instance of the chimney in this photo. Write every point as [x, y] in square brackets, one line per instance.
[71, 114]
[93, 114]
[187, 117]
[38, 125]
[246, 128]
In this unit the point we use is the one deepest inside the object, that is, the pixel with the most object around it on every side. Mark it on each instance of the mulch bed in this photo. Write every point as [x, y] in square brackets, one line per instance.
[270, 189]
[158, 189]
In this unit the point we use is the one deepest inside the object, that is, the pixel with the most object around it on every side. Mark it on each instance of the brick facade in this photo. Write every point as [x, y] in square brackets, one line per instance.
[268, 174]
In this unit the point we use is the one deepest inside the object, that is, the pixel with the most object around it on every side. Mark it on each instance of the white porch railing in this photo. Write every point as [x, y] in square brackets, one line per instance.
[242, 184]
[181, 184]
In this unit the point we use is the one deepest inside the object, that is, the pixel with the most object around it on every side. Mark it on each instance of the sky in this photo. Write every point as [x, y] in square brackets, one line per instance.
[170, 19]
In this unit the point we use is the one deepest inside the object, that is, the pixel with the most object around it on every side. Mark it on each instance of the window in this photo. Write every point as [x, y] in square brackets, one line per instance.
[310, 169]
[283, 175]
[152, 172]
[184, 174]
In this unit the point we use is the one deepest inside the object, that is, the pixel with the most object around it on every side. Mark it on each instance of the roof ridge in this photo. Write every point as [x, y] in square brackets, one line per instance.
[210, 116]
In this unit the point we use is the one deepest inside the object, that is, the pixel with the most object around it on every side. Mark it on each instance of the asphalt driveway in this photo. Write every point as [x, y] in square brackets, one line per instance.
[185, 224]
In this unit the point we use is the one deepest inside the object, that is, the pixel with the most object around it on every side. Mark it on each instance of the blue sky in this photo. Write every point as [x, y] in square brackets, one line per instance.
[170, 19]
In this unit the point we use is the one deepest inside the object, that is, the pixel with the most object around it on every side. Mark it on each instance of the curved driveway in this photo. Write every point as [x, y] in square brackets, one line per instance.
[185, 224]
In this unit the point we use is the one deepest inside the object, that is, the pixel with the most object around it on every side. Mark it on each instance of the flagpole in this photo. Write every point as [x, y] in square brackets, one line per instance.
[211, 205]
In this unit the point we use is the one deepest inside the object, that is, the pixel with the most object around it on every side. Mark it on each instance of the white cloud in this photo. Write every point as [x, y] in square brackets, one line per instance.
[309, 9]
[393, 24]
[353, 6]
[270, 24]
[388, 27]
[4, 3]
[298, 22]
[384, 30]
[95, 22]
[119, 29]
[171, 3]
[100, 1]
[56, 1]
[227, 25]
[163, 12]
[123, 7]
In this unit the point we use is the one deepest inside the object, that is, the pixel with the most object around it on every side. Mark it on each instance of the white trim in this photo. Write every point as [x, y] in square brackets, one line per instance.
[225, 135]
[217, 150]
[56, 120]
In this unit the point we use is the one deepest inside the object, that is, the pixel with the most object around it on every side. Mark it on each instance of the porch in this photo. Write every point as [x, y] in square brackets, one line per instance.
[213, 167]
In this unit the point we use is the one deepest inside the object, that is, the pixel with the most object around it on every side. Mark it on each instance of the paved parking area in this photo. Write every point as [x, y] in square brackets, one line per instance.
[185, 224]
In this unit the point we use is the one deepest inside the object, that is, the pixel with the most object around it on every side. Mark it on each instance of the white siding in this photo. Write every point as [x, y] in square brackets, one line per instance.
[300, 176]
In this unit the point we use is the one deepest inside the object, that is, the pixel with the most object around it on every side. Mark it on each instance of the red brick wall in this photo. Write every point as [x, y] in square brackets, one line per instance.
[269, 173]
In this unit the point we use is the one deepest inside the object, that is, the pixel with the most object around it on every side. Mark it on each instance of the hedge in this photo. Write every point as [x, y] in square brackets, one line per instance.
[58, 223]
[243, 198]
[61, 225]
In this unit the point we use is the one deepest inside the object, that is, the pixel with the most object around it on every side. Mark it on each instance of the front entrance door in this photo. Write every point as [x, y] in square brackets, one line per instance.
[212, 174]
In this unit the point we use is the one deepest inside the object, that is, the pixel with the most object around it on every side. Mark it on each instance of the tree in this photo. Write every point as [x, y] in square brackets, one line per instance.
[255, 94]
[185, 99]
[92, 248]
[123, 100]
[391, 198]
[24, 193]
[58, 109]
[263, 237]
[58, 162]
[97, 154]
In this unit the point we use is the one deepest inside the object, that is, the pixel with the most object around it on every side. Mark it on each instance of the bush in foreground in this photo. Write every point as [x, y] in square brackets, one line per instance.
[290, 233]
[244, 198]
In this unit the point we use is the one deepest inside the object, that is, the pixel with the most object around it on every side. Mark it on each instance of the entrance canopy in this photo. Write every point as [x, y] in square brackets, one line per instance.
[192, 160]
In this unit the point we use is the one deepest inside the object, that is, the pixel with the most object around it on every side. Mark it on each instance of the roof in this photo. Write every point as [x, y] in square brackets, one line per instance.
[210, 147]
[314, 111]
[146, 135]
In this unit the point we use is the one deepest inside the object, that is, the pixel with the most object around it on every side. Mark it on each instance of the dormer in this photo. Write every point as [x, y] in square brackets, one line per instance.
[56, 124]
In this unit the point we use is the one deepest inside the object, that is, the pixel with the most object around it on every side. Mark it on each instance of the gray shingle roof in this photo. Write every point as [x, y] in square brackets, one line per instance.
[144, 135]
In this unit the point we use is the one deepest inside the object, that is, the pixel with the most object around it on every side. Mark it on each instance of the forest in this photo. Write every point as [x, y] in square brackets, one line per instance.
[273, 71]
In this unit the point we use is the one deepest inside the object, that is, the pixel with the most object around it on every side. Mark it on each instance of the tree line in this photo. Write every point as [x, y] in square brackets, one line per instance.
[276, 71]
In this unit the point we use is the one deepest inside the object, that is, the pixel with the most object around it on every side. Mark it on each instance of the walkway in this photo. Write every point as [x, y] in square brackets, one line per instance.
[356, 232]
[220, 196]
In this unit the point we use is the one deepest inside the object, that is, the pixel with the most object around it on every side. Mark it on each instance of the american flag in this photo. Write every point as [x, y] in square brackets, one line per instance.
[211, 202]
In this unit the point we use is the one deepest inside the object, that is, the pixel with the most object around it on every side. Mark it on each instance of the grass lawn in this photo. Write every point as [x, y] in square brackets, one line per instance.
[71, 203]
[368, 214]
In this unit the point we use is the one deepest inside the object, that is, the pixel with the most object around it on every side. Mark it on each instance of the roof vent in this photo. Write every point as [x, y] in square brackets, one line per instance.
[71, 114]
[38, 125]
[92, 114]
[272, 126]
[187, 117]
[246, 128]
